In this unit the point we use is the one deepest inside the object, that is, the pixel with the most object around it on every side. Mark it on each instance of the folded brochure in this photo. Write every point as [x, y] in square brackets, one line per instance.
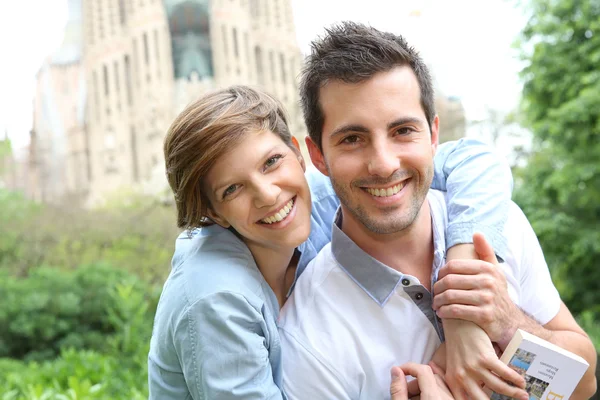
[550, 372]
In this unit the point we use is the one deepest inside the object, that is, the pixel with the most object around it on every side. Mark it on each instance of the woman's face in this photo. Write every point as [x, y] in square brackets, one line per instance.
[258, 188]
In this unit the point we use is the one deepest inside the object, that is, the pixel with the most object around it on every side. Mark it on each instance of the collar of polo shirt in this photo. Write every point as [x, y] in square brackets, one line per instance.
[377, 279]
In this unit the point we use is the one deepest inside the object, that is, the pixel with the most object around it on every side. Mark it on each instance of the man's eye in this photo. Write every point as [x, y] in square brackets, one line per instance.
[350, 139]
[273, 160]
[229, 191]
[404, 131]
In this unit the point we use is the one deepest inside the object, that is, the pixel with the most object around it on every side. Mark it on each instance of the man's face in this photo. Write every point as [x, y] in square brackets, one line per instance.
[377, 149]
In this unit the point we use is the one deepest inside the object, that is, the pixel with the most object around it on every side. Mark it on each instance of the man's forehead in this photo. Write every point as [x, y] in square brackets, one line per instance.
[382, 99]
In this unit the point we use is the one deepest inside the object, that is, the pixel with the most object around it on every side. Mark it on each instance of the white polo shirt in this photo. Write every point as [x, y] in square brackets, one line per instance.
[351, 318]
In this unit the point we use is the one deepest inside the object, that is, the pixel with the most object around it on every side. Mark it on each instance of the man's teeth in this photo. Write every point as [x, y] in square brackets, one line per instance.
[279, 215]
[385, 192]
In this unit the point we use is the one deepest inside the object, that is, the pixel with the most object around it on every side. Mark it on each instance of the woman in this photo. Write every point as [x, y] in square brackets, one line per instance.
[237, 172]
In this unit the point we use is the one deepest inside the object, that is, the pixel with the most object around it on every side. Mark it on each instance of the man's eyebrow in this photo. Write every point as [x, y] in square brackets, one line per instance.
[348, 128]
[404, 121]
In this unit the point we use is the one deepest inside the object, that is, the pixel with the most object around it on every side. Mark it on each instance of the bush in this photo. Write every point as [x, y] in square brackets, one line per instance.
[74, 375]
[51, 310]
[69, 313]
[137, 237]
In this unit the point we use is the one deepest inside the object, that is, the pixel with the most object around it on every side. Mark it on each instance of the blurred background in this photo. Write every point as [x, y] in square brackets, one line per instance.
[89, 88]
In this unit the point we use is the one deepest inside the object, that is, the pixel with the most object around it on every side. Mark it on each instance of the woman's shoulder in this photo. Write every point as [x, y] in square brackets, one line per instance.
[212, 261]
[320, 185]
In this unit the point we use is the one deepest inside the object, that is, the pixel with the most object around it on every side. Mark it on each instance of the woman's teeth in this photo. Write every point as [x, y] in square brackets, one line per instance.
[279, 215]
[385, 192]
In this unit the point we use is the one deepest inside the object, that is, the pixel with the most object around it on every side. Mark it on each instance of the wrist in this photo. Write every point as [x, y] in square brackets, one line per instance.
[509, 332]
[505, 339]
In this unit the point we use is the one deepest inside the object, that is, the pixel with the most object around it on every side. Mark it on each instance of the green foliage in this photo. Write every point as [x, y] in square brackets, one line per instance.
[5, 148]
[138, 238]
[54, 309]
[560, 187]
[114, 305]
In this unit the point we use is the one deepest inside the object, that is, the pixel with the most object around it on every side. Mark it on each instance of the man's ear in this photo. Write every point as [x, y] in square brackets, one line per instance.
[299, 153]
[435, 138]
[316, 155]
[216, 218]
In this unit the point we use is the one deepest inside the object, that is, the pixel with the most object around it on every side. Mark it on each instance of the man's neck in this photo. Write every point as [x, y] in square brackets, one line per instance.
[409, 251]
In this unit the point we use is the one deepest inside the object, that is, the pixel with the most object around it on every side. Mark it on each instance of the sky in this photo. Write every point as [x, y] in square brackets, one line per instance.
[467, 43]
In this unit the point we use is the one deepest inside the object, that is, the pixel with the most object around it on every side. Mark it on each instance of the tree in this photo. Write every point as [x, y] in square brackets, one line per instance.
[559, 188]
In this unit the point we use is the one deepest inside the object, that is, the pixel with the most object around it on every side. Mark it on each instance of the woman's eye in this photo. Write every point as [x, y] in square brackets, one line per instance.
[229, 191]
[273, 160]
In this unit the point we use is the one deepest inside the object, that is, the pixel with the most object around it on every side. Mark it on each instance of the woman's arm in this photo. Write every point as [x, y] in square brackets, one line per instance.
[221, 344]
[479, 185]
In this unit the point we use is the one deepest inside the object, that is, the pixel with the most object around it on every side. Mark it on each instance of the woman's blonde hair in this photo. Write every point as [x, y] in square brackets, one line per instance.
[204, 131]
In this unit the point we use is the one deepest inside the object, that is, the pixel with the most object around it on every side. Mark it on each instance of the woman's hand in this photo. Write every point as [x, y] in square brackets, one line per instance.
[471, 360]
[428, 384]
[470, 356]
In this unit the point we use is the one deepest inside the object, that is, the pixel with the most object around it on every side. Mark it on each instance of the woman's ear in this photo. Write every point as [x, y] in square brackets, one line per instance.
[217, 219]
[295, 142]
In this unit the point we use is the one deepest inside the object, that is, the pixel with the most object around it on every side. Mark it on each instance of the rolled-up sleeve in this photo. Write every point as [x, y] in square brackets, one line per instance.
[479, 186]
[221, 345]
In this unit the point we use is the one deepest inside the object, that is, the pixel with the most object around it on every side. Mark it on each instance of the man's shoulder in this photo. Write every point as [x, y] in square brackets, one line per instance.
[517, 230]
[519, 235]
[516, 217]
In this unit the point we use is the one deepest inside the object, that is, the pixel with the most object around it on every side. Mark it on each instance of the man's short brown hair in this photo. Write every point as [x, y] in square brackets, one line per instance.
[352, 53]
[203, 132]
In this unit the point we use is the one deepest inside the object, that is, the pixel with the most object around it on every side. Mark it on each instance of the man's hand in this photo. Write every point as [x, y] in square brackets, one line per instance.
[476, 291]
[430, 386]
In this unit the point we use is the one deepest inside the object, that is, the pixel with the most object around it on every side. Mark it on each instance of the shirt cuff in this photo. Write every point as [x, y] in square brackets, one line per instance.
[462, 232]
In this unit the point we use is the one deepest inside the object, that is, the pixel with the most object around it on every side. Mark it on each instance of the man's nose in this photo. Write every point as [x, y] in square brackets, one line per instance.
[383, 160]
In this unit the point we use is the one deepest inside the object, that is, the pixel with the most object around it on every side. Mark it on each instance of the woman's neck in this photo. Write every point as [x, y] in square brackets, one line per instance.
[278, 267]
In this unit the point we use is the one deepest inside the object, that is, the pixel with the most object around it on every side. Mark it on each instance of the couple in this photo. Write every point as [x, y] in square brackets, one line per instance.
[259, 305]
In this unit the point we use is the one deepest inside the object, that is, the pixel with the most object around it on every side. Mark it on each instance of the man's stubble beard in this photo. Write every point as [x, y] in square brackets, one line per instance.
[394, 223]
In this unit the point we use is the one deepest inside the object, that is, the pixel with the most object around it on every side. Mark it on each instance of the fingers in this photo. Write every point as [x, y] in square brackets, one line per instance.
[460, 281]
[436, 368]
[465, 386]
[427, 385]
[484, 249]
[457, 392]
[474, 391]
[474, 314]
[398, 387]
[467, 297]
[492, 373]
[507, 373]
[501, 387]
[413, 388]
[465, 267]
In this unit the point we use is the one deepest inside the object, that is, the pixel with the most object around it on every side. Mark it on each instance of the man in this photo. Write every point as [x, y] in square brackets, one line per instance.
[365, 302]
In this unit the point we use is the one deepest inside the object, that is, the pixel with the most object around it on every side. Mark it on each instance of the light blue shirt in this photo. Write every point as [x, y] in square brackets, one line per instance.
[215, 334]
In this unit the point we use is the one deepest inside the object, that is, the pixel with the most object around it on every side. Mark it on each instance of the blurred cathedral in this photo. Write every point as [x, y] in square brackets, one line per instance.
[105, 98]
